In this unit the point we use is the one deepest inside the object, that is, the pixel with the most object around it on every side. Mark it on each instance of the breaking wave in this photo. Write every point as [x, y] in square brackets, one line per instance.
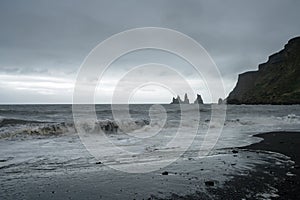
[291, 118]
[114, 127]
[14, 128]
[46, 129]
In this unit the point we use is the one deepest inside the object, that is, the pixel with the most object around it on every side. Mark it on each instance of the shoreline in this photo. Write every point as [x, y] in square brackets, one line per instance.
[249, 172]
[265, 181]
[287, 143]
[284, 142]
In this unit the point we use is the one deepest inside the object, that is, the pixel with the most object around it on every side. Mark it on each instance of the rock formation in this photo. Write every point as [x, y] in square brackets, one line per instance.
[198, 99]
[220, 101]
[186, 99]
[177, 100]
[276, 82]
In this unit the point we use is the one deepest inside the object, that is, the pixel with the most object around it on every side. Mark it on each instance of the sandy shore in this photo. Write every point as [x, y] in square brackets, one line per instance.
[252, 172]
[287, 143]
[280, 182]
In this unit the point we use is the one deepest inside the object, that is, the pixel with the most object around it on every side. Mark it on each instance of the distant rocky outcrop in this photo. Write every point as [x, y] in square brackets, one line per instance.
[221, 101]
[186, 99]
[178, 100]
[276, 82]
[198, 99]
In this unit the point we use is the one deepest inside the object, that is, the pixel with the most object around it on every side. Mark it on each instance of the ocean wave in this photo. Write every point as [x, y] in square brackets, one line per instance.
[114, 126]
[291, 118]
[14, 121]
[52, 129]
[28, 128]
[227, 123]
[233, 122]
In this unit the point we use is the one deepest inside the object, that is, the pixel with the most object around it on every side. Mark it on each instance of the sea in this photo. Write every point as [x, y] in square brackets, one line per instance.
[46, 153]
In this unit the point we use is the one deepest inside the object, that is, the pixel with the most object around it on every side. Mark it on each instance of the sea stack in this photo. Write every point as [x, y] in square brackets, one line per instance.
[276, 82]
[186, 99]
[198, 99]
[220, 101]
[177, 100]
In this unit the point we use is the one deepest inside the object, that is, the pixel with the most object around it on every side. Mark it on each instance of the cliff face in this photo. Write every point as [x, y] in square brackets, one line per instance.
[276, 82]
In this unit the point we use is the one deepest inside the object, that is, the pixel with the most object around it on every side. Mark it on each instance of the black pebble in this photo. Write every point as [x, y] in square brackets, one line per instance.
[165, 173]
[209, 183]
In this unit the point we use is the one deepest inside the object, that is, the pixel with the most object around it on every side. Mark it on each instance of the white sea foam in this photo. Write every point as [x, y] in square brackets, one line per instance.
[48, 148]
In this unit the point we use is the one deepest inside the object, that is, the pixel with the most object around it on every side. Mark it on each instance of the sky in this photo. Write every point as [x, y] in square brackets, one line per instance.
[43, 43]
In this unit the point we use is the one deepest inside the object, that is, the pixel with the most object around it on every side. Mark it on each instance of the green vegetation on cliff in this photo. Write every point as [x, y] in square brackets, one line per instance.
[276, 82]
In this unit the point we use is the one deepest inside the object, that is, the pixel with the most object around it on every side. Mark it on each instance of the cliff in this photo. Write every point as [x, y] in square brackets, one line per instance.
[276, 82]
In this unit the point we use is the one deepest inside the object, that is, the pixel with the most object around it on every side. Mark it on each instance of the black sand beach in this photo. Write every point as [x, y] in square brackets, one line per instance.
[283, 181]
[275, 178]
[287, 143]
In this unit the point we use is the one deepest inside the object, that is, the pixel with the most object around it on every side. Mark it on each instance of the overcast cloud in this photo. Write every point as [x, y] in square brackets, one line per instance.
[43, 43]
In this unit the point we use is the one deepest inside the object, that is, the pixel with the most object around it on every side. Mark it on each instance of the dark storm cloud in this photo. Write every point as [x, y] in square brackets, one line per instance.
[53, 37]
[239, 34]
[62, 33]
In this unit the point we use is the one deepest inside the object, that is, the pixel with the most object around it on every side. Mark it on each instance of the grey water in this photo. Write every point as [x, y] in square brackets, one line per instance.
[38, 142]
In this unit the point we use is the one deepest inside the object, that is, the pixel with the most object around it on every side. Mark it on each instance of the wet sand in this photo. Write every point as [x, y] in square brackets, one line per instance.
[287, 143]
[253, 172]
[264, 181]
